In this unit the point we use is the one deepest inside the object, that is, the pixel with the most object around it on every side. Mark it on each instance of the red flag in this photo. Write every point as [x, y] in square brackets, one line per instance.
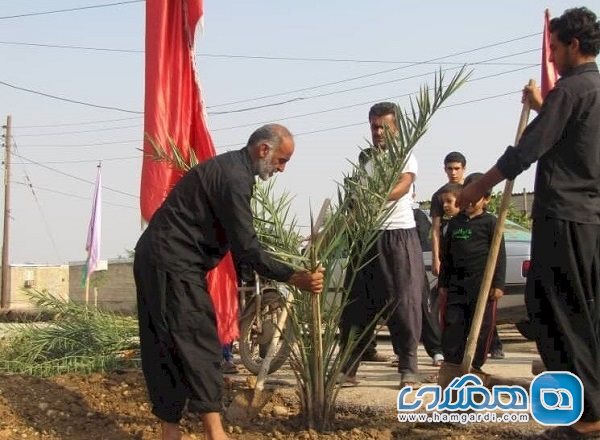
[549, 74]
[173, 112]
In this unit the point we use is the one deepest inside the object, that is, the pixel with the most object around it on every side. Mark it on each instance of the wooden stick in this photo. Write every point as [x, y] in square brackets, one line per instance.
[317, 331]
[87, 289]
[490, 266]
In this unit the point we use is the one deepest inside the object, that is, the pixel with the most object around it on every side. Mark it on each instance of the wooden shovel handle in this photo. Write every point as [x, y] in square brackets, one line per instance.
[490, 266]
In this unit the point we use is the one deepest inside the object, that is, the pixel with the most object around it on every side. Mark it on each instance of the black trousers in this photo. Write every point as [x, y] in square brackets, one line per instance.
[392, 279]
[431, 331]
[458, 317]
[180, 349]
[563, 302]
[431, 334]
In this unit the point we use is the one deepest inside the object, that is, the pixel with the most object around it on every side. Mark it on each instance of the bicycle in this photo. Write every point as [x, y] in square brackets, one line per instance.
[261, 304]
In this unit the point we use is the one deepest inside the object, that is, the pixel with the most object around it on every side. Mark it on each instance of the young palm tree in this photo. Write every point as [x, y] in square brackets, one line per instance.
[79, 339]
[341, 244]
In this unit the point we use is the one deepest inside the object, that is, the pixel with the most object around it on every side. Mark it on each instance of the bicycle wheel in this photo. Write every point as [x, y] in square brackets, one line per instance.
[253, 343]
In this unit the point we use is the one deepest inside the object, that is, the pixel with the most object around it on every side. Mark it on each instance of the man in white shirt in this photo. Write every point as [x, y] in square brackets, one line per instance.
[394, 273]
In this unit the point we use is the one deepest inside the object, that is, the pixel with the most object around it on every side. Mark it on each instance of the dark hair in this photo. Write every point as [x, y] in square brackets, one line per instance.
[272, 134]
[382, 109]
[455, 156]
[474, 177]
[452, 188]
[580, 23]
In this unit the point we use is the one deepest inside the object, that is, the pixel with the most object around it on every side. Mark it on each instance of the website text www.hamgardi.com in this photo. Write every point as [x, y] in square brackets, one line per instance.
[464, 418]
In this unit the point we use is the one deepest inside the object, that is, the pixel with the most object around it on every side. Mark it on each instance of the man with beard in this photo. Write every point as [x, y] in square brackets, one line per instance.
[563, 283]
[206, 214]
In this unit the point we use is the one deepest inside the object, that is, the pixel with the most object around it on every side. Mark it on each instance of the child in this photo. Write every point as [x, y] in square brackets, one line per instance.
[447, 196]
[464, 254]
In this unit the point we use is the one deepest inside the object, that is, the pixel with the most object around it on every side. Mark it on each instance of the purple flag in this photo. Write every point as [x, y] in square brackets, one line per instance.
[92, 245]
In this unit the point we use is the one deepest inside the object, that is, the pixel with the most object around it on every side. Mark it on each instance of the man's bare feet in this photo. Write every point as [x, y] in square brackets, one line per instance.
[213, 428]
[170, 431]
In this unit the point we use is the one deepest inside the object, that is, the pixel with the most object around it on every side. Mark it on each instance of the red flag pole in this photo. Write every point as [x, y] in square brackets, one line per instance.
[549, 73]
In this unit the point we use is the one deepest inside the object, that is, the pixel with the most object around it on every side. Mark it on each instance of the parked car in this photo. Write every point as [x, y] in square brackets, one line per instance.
[517, 239]
[511, 307]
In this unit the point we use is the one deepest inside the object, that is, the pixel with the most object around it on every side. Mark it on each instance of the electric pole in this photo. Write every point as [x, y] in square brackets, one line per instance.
[5, 293]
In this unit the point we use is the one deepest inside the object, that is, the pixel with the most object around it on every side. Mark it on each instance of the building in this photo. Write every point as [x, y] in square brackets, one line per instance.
[112, 288]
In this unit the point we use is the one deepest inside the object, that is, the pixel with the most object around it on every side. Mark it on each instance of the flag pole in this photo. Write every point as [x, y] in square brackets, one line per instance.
[87, 289]
[92, 244]
[490, 266]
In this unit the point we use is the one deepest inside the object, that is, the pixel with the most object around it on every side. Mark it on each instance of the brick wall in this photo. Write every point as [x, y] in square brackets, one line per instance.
[54, 279]
[115, 287]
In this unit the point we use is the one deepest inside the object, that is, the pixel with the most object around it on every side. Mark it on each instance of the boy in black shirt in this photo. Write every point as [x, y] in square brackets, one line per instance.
[464, 253]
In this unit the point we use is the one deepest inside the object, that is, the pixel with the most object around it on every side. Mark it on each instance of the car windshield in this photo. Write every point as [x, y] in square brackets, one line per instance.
[515, 232]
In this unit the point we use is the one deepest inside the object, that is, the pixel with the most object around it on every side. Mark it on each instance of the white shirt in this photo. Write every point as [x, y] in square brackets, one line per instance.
[401, 215]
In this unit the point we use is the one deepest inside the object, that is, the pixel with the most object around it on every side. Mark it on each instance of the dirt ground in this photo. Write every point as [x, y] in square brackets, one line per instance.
[114, 407]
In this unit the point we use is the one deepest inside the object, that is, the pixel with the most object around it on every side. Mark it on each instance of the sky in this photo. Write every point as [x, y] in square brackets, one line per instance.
[314, 66]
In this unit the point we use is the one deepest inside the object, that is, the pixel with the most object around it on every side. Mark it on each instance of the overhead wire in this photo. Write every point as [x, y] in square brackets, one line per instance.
[38, 204]
[75, 177]
[94, 130]
[52, 96]
[250, 57]
[344, 107]
[355, 124]
[301, 98]
[110, 159]
[72, 101]
[67, 124]
[85, 145]
[336, 92]
[368, 75]
[282, 118]
[104, 202]
[59, 11]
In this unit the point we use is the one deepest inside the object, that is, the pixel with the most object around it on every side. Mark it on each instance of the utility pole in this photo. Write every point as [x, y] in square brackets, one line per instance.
[5, 293]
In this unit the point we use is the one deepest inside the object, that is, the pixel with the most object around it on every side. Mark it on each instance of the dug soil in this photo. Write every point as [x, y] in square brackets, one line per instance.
[114, 407]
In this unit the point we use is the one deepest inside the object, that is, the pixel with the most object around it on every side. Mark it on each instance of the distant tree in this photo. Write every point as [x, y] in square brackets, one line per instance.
[514, 214]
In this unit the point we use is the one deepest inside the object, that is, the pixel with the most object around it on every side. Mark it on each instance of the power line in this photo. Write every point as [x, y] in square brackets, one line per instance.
[81, 131]
[304, 89]
[67, 124]
[75, 177]
[282, 118]
[58, 11]
[61, 46]
[71, 195]
[95, 144]
[253, 57]
[344, 107]
[339, 127]
[72, 101]
[351, 89]
[39, 205]
[291, 91]
[110, 159]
